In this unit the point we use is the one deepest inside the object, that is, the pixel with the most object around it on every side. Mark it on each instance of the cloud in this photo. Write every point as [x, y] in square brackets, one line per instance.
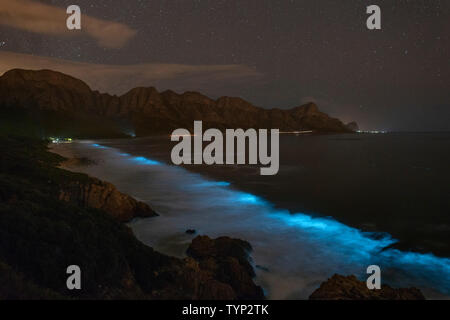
[117, 79]
[51, 20]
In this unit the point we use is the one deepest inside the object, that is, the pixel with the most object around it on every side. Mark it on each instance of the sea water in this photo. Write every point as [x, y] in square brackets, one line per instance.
[336, 206]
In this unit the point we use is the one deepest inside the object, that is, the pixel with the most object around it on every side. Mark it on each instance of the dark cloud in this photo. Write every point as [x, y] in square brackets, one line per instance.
[50, 20]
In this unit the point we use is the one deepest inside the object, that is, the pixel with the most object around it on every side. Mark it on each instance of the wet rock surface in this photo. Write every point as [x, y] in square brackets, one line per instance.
[350, 288]
[227, 260]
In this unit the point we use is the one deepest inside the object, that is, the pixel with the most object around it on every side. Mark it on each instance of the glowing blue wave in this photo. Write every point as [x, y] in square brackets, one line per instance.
[248, 198]
[96, 145]
[146, 161]
[341, 244]
[213, 184]
[140, 160]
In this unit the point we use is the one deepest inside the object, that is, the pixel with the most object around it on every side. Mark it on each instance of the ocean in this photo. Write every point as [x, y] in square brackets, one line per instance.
[338, 204]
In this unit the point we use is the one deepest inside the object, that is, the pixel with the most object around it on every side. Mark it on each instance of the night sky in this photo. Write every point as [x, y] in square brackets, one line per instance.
[273, 53]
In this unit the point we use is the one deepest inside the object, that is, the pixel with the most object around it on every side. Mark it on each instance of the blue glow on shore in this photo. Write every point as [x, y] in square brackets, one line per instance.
[99, 146]
[308, 222]
[437, 269]
[146, 161]
[333, 232]
[214, 184]
[248, 198]
[290, 240]
[141, 160]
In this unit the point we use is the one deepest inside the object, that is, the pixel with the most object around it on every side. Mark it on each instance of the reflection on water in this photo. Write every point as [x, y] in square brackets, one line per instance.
[296, 252]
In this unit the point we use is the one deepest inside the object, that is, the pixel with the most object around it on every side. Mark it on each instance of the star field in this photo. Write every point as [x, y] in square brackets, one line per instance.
[396, 78]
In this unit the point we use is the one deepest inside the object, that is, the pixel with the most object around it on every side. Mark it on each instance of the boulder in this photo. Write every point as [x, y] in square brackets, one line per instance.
[104, 196]
[227, 261]
[350, 288]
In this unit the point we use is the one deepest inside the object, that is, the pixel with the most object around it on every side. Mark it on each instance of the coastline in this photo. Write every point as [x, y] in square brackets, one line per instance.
[175, 243]
[53, 219]
[345, 177]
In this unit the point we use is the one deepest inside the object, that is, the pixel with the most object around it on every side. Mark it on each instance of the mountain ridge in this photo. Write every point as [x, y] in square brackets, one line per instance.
[146, 111]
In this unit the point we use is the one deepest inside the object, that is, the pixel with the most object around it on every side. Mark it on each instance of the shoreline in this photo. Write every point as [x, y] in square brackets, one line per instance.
[327, 203]
[53, 219]
[140, 226]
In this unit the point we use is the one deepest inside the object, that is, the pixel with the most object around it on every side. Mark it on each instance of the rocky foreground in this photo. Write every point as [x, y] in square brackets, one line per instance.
[226, 260]
[51, 218]
[350, 288]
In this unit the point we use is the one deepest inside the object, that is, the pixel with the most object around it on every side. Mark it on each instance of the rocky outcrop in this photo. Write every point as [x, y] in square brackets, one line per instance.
[226, 262]
[217, 269]
[350, 288]
[105, 196]
[145, 110]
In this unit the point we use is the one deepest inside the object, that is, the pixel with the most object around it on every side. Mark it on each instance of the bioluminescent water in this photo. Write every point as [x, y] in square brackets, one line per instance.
[293, 252]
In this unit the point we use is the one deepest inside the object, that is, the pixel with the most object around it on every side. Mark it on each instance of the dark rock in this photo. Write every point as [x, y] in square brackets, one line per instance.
[191, 231]
[350, 288]
[227, 261]
[103, 195]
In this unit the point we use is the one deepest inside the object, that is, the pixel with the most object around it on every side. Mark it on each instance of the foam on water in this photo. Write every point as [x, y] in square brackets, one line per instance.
[294, 252]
